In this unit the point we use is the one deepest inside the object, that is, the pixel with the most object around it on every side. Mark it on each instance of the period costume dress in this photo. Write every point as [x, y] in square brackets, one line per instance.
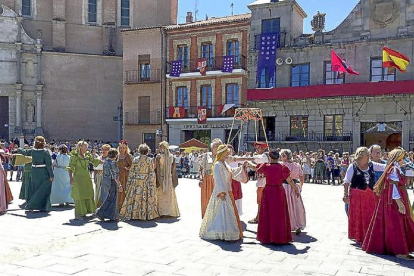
[391, 232]
[109, 192]
[274, 224]
[82, 189]
[362, 199]
[98, 175]
[124, 163]
[3, 198]
[167, 180]
[141, 196]
[61, 183]
[27, 174]
[297, 213]
[39, 187]
[221, 220]
[207, 180]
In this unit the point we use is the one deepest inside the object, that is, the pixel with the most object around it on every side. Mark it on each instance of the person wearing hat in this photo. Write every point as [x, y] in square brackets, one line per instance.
[260, 157]
[124, 165]
[391, 230]
[221, 220]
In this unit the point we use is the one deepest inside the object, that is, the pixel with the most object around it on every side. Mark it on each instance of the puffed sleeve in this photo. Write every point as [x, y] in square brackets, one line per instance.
[25, 152]
[285, 172]
[95, 161]
[219, 180]
[48, 162]
[72, 163]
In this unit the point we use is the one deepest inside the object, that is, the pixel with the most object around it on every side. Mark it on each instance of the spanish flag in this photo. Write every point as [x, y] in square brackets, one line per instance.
[391, 58]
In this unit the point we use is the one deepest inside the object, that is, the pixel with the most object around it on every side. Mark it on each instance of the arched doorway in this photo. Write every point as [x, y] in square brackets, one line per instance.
[393, 141]
[387, 135]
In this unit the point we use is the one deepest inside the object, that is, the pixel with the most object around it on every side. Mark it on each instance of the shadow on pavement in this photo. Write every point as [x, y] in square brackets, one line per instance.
[141, 223]
[109, 225]
[228, 246]
[35, 215]
[288, 248]
[303, 238]
[168, 220]
[76, 222]
[401, 262]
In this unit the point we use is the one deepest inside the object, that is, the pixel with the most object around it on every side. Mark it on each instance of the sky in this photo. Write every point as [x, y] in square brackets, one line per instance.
[336, 10]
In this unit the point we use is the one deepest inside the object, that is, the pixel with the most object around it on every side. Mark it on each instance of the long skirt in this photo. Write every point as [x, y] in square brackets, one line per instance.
[9, 196]
[221, 221]
[109, 199]
[61, 187]
[361, 207]
[274, 224]
[39, 189]
[238, 195]
[390, 232]
[207, 187]
[319, 172]
[296, 209]
[98, 181]
[167, 203]
[3, 197]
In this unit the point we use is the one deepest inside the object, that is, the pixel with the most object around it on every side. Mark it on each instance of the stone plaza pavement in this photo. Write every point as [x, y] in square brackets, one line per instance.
[55, 244]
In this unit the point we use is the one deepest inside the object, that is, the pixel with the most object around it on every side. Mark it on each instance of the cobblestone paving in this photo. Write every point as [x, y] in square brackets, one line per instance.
[55, 244]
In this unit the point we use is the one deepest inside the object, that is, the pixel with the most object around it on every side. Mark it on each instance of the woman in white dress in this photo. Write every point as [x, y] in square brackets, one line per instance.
[221, 220]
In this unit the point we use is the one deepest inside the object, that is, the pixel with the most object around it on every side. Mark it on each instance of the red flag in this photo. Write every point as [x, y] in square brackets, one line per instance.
[201, 115]
[176, 112]
[339, 65]
[202, 66]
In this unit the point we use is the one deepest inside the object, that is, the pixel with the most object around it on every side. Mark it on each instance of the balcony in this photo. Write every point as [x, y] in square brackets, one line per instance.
[142, 118]
[213, 64]
[311, 137]
[191, 112]
[142, 76]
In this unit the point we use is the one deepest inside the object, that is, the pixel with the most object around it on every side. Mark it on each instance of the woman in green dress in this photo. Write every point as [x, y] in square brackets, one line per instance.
[40, 185]
[27, 175]
[80, 180]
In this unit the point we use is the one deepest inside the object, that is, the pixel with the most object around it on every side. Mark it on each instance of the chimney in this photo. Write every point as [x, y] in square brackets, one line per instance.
[189, 17]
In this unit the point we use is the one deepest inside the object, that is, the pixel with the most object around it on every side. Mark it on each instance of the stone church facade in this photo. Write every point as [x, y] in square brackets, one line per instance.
[308, 106]
[61, 64]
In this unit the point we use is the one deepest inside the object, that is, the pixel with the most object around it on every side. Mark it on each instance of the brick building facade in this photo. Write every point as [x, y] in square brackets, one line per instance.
[308, 106]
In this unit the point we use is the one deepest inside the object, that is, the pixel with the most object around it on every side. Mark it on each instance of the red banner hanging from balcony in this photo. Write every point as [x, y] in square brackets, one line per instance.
[201, 115]
[176, 112]
[202, 66]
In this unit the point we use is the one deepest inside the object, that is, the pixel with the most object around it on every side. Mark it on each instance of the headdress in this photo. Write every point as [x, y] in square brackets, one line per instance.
[164, 144]
[263, 145]
[124, 142]
[222, 148]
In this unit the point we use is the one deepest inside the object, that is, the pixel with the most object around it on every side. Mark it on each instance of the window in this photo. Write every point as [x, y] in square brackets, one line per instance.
[333, 77]
[232, 94]
[144, 107]
[208, 53]
[266, 80]
[270, 26]
[182, 97]
[334, 125]
[381, 74]
[92, 11]
[206, 96]
[149, 139]
[300, 75]
[144, 67]
[233, 50]
[183, 55]
[298, 126]
[125, 13]
[26, 7]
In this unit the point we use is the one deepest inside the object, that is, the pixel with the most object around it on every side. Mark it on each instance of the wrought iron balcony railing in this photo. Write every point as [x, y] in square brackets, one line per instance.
[142, 76]
[142, 118]
[213, 64]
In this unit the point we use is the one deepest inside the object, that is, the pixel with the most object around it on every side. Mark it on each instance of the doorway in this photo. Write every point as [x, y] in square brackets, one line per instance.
[4, 118]
[387, 135]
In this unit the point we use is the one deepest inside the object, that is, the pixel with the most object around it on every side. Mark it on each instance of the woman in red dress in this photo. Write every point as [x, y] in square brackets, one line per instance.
[391, 230]
[274, 224]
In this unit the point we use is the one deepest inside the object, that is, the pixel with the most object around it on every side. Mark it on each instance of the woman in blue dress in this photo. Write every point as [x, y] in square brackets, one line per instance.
[61, 183]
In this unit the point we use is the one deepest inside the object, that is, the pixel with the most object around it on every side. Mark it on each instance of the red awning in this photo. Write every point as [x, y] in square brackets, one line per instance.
[332, 90]
[193, 143]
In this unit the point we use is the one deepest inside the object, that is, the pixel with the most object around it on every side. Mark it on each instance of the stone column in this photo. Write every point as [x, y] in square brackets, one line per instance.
[19, 62]
[39, 61]
[18, 126]
[19, 28]
[39, 95]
